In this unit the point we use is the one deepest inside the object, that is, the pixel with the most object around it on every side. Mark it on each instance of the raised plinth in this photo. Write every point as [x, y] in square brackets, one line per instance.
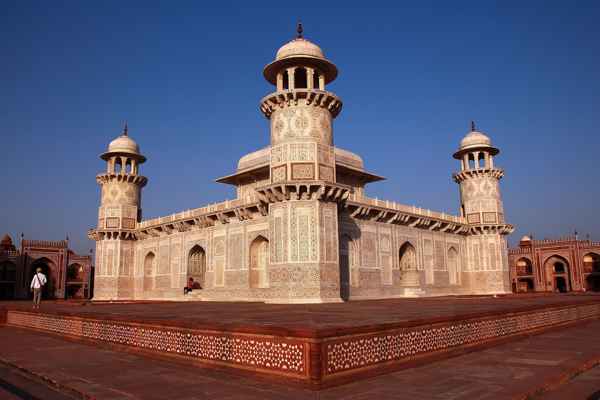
[311, 346]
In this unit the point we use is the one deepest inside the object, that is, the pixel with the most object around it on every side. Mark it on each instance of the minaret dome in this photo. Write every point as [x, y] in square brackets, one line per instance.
[300, 64]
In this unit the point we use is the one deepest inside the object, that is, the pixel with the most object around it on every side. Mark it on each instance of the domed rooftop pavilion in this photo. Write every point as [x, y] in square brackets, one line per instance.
[6, 241]
[300, 51]
[123, 145]
[475, 141]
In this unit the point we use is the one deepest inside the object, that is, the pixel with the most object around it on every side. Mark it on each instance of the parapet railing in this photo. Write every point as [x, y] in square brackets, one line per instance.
[44, 242]
[399, 207]
[525, 250]
[228, 204]
[72, 256]
[559, 240]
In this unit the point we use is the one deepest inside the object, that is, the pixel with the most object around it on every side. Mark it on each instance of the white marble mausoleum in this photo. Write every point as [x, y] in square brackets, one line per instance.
[301, 229]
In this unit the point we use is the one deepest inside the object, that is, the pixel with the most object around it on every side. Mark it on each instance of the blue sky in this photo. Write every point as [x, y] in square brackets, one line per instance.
[187, 78]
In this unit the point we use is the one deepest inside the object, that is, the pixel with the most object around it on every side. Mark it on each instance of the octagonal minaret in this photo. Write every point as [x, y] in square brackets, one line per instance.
[301, 112]
[480, 204]
[121, 187]
[118, 215]
[479, 183]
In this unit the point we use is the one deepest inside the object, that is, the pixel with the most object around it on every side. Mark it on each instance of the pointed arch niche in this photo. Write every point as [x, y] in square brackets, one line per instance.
[197, 266]
[149, 271]
[259, 260]
[559, 270]
[453, 266]
[348, 272]
[408, 265]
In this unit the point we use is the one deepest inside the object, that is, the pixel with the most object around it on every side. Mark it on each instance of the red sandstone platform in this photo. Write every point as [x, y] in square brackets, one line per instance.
[541, 365]
[310, 346]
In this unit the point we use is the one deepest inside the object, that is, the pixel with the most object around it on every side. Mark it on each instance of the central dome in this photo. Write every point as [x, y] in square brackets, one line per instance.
[299, 48]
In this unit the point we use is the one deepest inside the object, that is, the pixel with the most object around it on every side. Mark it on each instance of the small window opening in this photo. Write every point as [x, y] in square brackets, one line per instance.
[286, 80]
[481, 161]
[300, 81]
[471, 161]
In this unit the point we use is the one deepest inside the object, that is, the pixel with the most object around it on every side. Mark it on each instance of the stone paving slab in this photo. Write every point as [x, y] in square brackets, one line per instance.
[15, 386]
[514, 370]
[584, 386]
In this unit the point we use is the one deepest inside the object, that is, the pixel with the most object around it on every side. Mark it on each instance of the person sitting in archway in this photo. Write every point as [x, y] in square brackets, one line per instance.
[190, 285]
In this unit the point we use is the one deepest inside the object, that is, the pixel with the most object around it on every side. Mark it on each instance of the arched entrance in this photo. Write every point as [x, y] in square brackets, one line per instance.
[591, 272]
[49, 269]
[524, 275]
[197, 266]
[347, 268]
[525, 285]
[560, 284]
[259, 260]
[408, 265]
[8, 276]
[75, 282]
[558, 267]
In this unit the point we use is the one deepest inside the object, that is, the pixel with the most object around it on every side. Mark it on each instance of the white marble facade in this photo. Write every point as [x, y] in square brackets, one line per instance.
[301, 229]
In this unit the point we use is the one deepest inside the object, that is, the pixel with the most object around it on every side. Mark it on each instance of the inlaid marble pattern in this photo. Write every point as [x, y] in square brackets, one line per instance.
[361, 351]
[266, 353]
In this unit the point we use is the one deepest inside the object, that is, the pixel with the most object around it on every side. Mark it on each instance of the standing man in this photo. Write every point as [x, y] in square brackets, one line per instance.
[38, 281]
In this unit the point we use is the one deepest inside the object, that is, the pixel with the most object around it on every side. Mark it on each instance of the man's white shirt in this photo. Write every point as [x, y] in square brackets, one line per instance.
[38, 280]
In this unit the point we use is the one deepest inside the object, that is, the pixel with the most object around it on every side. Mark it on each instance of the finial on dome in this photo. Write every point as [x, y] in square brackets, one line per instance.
[125, 133]
[299, 29]
[473, 125]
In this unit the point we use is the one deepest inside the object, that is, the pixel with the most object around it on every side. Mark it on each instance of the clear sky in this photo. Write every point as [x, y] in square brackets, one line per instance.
[187, 78]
